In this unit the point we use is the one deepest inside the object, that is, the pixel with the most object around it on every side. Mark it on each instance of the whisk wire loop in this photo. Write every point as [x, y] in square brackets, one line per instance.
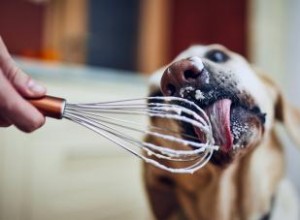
[95, 117]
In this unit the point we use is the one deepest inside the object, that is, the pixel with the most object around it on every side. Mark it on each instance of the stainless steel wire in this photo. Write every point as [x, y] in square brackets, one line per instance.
[125, 131]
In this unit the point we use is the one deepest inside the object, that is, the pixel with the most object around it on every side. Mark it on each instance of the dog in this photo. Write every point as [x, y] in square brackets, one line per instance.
[245, 178]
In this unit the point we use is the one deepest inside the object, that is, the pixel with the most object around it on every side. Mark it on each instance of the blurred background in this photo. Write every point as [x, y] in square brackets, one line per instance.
[92, 50]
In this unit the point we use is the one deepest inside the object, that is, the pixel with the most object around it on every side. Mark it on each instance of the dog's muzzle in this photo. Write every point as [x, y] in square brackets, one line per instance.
[213, 88]
[187, 78]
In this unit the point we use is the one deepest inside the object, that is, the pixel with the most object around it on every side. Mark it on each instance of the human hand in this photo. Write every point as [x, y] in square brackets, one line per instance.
[14, 86]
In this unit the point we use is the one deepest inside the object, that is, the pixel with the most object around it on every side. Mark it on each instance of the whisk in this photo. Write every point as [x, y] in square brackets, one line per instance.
[101, 118]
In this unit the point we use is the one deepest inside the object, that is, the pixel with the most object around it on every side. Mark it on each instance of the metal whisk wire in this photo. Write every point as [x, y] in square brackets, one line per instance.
[101, 118]
[93, 116]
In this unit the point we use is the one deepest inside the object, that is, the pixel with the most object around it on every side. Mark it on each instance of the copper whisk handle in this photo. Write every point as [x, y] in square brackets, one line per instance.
[50, 106]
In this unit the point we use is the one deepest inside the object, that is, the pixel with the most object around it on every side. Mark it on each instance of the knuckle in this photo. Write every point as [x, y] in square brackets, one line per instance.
[13, 73]
[17, 77]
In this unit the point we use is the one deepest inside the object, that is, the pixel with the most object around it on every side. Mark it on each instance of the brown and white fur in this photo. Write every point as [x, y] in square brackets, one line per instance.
[243, 183]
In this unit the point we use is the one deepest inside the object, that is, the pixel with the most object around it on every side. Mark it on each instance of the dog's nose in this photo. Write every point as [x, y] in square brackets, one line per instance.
[183, 73]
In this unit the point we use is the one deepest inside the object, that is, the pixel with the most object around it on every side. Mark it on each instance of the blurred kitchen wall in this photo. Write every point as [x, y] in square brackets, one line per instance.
[21, 26]
[146, 34]
[292, 76]
[134, 35]
[170, 26]
[45, 29]
[113, 33]
[274, 46]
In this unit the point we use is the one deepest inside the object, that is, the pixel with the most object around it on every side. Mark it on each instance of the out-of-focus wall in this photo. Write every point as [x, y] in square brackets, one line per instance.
[266, 36]
[48, 30]
[274, 47]
[292, 50]
[292, 74]
[21, 25]
[168, 27]
[65, 30]
[154, 35]
[113, 33]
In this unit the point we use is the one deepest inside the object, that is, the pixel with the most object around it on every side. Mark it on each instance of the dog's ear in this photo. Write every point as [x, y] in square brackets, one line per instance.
[289, 116]
[285, 112]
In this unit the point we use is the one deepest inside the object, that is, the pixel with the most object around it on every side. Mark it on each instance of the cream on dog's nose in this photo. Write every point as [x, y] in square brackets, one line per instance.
[183, 73]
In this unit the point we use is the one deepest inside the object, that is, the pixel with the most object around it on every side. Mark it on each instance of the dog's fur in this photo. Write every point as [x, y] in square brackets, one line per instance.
[252, 184]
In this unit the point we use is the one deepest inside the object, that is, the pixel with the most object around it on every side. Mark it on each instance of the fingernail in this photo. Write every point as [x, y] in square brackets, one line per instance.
[34, 87]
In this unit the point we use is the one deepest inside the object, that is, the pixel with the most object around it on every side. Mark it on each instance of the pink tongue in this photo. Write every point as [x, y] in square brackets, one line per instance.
[219, 114]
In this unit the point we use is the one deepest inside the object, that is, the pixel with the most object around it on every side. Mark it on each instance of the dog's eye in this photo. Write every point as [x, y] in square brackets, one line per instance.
[217, 56]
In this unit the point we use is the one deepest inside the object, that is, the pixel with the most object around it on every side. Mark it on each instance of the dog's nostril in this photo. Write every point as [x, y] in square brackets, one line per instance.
[191, 74]
[171, 89]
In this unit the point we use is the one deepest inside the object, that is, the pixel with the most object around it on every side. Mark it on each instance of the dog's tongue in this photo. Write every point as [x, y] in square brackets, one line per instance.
[219, 115]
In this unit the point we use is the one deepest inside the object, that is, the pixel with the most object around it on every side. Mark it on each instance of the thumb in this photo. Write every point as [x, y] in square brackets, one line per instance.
[24, 84]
